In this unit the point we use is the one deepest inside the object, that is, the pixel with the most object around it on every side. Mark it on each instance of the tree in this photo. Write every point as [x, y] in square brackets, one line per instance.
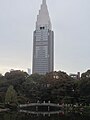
[86, 75]
[16, 78]
[11, 96]
[85, 84]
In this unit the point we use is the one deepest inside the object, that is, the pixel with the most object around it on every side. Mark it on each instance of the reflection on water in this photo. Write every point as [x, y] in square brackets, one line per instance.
[42, 113]
[39, 116]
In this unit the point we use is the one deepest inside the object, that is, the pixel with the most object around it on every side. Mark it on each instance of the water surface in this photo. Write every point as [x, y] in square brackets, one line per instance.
[36, 116]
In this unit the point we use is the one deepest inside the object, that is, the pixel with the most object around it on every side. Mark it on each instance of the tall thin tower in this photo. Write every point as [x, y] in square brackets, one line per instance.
[43, 43]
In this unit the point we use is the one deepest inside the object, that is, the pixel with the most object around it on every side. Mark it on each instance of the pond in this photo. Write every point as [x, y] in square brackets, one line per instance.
[39, 116]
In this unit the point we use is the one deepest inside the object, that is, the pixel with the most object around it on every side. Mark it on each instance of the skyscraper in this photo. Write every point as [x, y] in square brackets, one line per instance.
[43, 43]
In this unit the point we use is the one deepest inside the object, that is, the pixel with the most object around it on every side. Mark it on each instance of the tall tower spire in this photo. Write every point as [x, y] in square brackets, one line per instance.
[44, 1]
[43, 16]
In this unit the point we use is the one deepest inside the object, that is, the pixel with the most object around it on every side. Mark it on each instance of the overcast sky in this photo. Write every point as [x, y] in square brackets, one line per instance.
[71, 25]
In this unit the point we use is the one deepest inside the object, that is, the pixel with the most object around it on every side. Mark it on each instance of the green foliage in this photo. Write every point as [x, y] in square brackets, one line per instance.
[57, 87]
[86, 75]
[22, 100]
[84, 84]
[16, 77]
[10, 116]
[2, 79]
[87, 111]
[11, 96]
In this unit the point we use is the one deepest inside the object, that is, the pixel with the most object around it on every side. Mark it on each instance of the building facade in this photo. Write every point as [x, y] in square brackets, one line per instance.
[43, 43]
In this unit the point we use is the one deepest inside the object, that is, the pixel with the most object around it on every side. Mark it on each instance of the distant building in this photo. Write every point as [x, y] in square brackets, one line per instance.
[75, 76]
[43, 43]
[29, 71]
